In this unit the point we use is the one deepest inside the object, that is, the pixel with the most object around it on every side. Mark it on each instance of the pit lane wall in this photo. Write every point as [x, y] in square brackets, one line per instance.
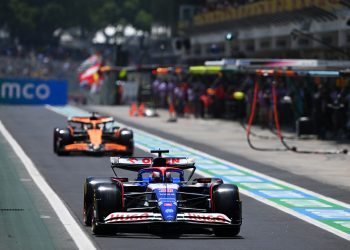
[33, 91]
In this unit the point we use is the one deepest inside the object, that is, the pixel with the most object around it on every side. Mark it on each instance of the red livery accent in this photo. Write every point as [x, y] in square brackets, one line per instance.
[173, 160]
[121, 186]
[143, 160]
[132, 160]
[128, 217]
[211, 197]
[166, 190]
[207, 217]
[146, 160]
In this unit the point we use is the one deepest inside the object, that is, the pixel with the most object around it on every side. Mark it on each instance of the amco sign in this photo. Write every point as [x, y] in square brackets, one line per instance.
[29, 91]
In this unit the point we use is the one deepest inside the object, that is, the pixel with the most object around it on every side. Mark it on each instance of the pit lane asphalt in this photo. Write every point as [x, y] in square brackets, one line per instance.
[263, 227]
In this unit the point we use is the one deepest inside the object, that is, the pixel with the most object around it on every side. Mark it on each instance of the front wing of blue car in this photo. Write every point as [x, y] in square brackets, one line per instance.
[190, 219]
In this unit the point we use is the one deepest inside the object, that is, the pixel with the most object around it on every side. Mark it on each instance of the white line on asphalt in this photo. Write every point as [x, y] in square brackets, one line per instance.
[245, 192]
[78, 235]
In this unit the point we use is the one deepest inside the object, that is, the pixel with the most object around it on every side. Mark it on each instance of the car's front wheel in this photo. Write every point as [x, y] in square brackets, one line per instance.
[55, 140]
[226, 200]
[89, 187]
[107, 200]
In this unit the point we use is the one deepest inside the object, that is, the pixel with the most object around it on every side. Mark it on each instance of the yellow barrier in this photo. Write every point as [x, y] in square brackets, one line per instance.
[205, 69]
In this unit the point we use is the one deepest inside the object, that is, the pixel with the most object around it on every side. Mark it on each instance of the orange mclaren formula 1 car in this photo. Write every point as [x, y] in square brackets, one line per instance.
[95, 135]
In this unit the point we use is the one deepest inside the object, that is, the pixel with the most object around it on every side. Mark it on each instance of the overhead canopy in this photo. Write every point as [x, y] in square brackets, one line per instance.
[280, 67]
[302, 73]
[283, 64]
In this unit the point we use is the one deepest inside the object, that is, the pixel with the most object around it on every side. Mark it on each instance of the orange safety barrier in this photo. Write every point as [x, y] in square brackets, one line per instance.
[133, 109]
[141, 110]
[172, 113]
[187, 110]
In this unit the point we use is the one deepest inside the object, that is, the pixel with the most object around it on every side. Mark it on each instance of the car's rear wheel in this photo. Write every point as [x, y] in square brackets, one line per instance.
[226, 201]
[128, 141]
[130, 150]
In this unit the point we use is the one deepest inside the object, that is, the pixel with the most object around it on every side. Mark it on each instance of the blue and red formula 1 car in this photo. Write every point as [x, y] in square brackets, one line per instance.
[160, 197]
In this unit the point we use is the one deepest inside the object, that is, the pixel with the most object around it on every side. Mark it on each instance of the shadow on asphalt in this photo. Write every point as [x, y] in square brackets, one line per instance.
[181, 237]
[184, 235]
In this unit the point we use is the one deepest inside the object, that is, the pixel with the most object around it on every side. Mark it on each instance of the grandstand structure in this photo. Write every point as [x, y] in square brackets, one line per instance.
[310, 29]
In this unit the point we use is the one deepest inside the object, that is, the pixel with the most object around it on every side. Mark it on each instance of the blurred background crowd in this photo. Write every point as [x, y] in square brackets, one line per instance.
[326, 103]
[76, 41]
[49, 63]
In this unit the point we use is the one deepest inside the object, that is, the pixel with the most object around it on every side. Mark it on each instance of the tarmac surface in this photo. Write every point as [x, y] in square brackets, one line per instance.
[264, 227]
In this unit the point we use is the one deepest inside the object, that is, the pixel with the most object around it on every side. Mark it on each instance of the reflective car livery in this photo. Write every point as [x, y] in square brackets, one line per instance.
[160, 197]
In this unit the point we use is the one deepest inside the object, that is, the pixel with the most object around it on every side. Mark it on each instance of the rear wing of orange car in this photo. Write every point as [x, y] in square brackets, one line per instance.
[89, 120]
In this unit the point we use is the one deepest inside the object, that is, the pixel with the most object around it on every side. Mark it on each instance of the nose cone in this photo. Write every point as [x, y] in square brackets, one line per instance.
[167, 203]
[168, 210]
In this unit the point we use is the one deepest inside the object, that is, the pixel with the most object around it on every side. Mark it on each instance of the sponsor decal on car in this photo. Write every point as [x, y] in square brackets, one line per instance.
[137, 160]
[166, 190]
[148, 160]
[125, 217]
[207, 217]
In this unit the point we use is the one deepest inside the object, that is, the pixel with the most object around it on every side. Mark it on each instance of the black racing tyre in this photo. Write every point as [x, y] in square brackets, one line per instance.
[88, 199]
[55, 140]
[62, 153]
[126, 136]
[107, 199]
[96, 228]
[66, 137]
[89, 186]
[226, 201]
[130, 150]
[62, 137]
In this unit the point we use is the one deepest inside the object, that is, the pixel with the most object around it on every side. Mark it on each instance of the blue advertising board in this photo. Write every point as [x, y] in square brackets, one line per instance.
[33, 91]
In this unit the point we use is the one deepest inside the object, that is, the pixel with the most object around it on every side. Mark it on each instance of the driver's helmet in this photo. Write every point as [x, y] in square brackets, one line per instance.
[168, 177]
[155, 177]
